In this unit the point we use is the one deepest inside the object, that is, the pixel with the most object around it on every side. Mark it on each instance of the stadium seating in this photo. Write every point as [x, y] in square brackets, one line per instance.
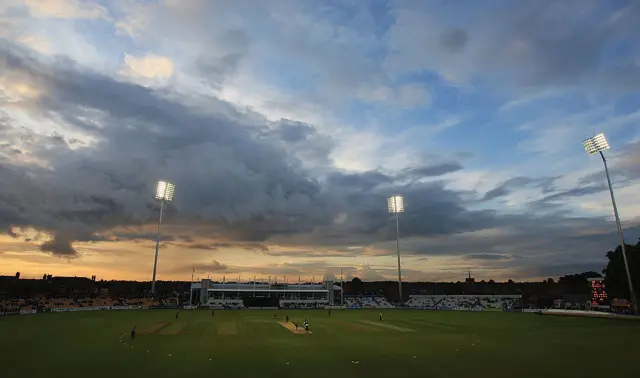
[352, 302]
[303, 303]
[367, 302]
[17, 304]
[462, 302]
[226, 303]
[382, 302]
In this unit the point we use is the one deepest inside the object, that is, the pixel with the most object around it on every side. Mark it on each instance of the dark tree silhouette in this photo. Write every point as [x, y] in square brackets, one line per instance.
[615, 274]
[356, 284]
[577, 283]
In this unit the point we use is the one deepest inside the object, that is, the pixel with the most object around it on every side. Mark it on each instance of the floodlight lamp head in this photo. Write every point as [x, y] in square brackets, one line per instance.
[595, 144]
[165, 191]
[395, 204]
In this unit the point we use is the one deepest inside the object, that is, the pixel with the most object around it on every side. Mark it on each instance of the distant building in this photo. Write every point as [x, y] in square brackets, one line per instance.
[573, 302]
[8, 281]
[470, 280]
[262, 294]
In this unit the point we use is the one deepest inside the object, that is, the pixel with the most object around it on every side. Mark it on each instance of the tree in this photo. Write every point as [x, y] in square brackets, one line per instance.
[356, 284]
[550, 280]
[615, 274]
[578, 283]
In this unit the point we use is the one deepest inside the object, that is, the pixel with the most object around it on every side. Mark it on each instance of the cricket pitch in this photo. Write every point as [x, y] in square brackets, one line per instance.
[292, 328]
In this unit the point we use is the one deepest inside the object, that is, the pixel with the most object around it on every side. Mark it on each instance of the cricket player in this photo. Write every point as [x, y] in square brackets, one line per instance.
[286, 319]
[329, 312]
[177, 315]
[306, 328]
[380, 316]
[275, 316]
[213, 313]
[133, 333]
[296, 325]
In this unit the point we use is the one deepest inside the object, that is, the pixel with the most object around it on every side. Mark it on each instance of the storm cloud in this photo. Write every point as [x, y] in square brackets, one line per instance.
[225, 164]
[284, 137]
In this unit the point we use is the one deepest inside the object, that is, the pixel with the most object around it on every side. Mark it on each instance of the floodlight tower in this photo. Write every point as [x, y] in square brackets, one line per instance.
[396, 206]
[597, 144]
[164, 193]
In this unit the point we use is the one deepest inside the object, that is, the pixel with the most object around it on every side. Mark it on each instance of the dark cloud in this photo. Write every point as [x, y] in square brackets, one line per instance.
[518, 182]
[623, 168]
[60, 246]
[208, 267]
[249, 176]
[432, 170]
[574, 192]
[212, 267]
[143, 236]
[216, 70]
[240, 179]
[487, 256]
[293, 131]
[255, 247]
[560, 50]
[359, 181]
[534, 245]
[454, 40]
[559, 270]
[319, 252]
[202, 246]
[544, 43]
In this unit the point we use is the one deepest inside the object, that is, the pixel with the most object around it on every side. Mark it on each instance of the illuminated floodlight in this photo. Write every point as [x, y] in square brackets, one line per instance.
[165, 191]
[395, 204]
[596, 144]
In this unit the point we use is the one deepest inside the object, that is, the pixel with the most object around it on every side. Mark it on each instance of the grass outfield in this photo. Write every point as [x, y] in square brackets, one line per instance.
[250, 344]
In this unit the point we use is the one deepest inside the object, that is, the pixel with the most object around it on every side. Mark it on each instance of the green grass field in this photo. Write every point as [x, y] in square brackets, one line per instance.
[250, 344]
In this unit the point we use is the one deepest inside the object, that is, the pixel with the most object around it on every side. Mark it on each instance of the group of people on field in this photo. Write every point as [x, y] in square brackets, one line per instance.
[305, 323]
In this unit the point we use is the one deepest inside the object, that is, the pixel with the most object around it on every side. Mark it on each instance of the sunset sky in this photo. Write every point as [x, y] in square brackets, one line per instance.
[285, 124]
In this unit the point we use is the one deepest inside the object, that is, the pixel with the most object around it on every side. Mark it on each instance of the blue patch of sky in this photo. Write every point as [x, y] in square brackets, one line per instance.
[18, 11]
[101, 34]
[115, 6]
[628, 103]
[370, 17]
[493, 136]
[286, 75]
[480, 132]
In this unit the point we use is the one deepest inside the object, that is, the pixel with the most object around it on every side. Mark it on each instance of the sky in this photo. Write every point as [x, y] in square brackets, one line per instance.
[285, 124]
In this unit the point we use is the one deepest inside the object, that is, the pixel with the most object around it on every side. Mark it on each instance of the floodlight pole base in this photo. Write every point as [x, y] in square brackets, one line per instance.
[398, 253]
[155, 261]
[632, 293]
[191, 291]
